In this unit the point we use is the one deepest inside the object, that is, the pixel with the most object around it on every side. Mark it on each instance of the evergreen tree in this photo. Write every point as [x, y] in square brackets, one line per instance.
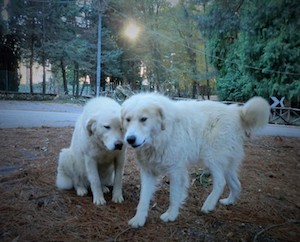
[255, 47]
[273, 38]
[65, 34]
[25, 20]
[9, 58]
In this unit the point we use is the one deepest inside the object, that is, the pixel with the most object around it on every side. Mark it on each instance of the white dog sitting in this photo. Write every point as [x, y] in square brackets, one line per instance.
[96, 155]
[168, 136]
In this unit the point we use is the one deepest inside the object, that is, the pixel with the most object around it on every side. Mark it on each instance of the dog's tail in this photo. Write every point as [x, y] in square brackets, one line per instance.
[255, 113]
[63, 181]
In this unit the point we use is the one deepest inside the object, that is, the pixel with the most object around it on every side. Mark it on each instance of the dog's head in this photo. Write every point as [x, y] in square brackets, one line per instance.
[106, 131]
[141, 121]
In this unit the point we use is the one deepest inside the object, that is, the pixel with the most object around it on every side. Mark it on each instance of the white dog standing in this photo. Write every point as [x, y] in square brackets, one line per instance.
[96, 155]
[169, 135]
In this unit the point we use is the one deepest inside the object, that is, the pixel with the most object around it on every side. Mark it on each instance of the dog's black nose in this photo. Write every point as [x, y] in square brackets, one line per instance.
[131, 139]
[118, 145]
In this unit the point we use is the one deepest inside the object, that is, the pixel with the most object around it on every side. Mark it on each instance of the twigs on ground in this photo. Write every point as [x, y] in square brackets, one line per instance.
[274, 226]
[118, 235]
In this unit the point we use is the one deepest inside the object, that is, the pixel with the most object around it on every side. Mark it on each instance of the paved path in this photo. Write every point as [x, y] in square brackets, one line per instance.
[29, 119]
[280, 130]
[26, 114]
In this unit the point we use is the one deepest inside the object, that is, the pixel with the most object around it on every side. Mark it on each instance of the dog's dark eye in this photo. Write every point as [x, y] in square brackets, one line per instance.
[106, 126]
[128, 120]
[143, 119]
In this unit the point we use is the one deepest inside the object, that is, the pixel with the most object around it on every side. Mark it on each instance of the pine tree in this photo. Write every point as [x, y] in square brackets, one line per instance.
[254, 45]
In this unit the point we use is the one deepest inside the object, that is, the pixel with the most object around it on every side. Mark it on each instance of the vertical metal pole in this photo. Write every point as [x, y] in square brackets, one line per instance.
[99, 55]
[44, 58]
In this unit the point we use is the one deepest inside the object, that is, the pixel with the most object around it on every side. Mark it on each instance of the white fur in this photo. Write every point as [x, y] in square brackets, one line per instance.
[96, 155]
[169, 135]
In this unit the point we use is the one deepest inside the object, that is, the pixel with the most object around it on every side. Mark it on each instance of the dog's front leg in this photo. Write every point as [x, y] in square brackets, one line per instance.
[179, 183]
[148, 186]
[117, 191]
[94, 179]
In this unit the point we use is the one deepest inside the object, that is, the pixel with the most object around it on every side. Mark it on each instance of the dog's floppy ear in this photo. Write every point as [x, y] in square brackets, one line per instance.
[91, 126]
[161, 118]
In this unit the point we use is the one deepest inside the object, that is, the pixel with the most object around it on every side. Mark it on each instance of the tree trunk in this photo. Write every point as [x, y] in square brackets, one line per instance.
[63, 71]
[155, 48]
[205, 56]
[192, 60]
[207, 80]
[77, 79]
[190, 49]
[74, 78]
[31, 64]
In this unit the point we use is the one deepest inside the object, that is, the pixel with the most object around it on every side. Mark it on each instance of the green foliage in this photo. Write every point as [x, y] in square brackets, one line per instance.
[65, 34]
[9, 57]
[202, 178]
[253, 44]
[169, 45]
[255, 47]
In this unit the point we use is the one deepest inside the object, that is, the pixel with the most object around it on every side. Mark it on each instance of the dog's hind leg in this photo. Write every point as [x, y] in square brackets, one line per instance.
[179, 183]
[63, 181]
[64, 173]
[81, 191]
[79, 186]
[234, 184]
[219, 183]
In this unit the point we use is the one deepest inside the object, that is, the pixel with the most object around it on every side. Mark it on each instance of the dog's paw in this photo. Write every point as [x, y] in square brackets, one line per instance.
[117, 198]
[81, 191]
[137, 221]
[99, 201]
[168, 216]
[226, 201]
[105, 189]
[206, 208]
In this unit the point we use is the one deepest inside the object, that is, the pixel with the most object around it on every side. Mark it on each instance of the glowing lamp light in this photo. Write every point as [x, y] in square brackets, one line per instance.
[132, 31]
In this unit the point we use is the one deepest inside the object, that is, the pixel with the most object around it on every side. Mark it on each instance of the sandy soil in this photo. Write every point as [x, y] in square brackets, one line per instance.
[32, 209]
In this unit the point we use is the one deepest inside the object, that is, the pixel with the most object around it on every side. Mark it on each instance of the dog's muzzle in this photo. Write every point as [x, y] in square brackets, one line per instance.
[118, 145]
[132, 141]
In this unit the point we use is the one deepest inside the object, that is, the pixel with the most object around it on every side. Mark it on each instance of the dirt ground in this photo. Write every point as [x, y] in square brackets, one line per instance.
[33, 209]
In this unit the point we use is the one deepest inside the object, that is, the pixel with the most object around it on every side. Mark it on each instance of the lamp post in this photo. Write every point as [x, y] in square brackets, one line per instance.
[99, 55]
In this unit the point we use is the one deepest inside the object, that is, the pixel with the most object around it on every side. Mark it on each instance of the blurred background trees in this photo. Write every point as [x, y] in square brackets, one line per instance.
[190, 48]
[255, 47]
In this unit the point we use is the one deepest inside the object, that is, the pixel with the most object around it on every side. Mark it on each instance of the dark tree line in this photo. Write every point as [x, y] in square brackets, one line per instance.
[233, 48]
[255, 47]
